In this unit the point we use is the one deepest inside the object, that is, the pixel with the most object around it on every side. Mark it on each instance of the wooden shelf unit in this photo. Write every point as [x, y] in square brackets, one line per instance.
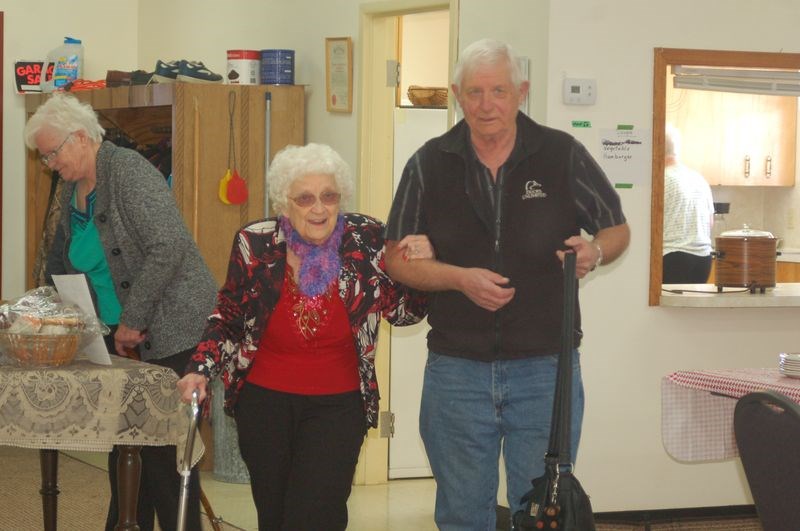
[195, 117]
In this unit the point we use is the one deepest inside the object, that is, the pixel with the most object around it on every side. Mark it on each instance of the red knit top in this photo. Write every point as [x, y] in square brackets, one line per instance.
[307, 346]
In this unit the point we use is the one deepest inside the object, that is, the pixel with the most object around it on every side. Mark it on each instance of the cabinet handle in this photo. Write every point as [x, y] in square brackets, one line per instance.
[768, 166]
[747, 165]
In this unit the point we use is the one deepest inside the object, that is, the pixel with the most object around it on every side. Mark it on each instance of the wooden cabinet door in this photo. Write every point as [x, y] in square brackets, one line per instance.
[202, 154]
[701, 120]
[787, 272]
[736, 139]
[773, 138]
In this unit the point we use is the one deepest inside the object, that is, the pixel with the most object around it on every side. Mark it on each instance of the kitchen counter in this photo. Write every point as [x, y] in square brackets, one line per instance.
[706, 296]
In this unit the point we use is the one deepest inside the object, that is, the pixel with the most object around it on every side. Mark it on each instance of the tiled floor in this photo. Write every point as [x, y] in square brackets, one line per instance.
[400, 505]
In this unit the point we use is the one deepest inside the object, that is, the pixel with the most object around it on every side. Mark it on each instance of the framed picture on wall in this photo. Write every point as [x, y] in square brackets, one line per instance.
[339, 74]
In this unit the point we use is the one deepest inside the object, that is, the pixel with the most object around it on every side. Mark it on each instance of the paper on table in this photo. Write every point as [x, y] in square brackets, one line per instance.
[73, 289]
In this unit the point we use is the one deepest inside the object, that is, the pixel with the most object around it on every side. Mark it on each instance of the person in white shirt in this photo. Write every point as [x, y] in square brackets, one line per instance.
[688, 218]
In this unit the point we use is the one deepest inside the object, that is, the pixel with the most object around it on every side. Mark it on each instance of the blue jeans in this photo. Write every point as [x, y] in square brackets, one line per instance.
[470, 411]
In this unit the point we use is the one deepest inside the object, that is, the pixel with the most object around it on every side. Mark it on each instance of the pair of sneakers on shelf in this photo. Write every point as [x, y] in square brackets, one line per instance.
[183, 70]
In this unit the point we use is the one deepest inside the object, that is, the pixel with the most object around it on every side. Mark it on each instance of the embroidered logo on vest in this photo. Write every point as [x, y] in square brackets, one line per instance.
[533, 190]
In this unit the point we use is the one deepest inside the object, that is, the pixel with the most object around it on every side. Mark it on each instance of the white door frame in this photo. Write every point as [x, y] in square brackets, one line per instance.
[378, 37]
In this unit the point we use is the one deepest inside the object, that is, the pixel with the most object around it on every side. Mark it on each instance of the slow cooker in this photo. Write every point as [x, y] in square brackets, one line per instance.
[746, 258]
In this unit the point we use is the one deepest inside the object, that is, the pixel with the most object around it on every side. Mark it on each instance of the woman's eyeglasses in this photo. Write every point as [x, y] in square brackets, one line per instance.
[47, 159]
[326, 198]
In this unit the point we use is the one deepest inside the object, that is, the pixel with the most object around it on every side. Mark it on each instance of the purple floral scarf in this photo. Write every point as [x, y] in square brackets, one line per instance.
[320, 264]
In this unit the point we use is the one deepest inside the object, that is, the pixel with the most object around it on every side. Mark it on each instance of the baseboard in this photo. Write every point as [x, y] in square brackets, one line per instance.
[650, 516]
[666, 515]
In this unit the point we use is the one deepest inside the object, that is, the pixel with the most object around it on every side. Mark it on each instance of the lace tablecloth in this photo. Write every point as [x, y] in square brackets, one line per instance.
[88, 407]
[697, 409]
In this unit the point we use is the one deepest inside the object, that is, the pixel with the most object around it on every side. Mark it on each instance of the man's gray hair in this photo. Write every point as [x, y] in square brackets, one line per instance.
[672, 142]
[486, 52]
[293, 162]
[65, 114]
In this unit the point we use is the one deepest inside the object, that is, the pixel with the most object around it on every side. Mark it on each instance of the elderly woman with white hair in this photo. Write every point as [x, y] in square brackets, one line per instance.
[121, 228]
[294, 334]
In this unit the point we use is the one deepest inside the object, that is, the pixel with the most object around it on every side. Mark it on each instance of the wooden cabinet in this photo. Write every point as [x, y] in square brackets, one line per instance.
[736, 139]
[788, 272]
[196, 119]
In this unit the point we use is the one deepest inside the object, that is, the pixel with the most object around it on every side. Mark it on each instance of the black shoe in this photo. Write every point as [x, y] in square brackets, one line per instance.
[140, 77]
[165, 72]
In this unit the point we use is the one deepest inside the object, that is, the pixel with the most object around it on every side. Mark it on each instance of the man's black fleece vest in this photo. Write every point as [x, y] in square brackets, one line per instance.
[536, 214]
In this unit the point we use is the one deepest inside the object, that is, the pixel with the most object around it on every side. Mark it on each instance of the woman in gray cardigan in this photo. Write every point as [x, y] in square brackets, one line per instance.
[122, 229]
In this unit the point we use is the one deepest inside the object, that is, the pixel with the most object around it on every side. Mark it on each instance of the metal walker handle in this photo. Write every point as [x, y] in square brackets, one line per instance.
[186, 462]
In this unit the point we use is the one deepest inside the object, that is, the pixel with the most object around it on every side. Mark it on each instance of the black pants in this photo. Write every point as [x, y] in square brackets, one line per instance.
[160, 482]
[301, 452]
[685, 268]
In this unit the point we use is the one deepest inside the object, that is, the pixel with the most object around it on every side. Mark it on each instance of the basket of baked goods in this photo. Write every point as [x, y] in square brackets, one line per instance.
[39, 330]
[427, 96]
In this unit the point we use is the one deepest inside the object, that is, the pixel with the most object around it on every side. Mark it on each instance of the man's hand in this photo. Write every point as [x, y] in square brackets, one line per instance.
[608, 244]
[485, 288]
[586, 254]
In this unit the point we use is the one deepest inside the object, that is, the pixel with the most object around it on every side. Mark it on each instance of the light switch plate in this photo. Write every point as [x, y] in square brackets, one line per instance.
[580, 91]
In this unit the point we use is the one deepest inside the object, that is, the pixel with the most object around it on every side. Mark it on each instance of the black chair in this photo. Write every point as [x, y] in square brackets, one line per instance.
[767, 429]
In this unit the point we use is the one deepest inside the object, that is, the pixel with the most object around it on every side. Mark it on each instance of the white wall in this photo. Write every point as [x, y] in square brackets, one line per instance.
[131, 34]
[525, 26]
[108, 32]
[205, 29]
[629, 346]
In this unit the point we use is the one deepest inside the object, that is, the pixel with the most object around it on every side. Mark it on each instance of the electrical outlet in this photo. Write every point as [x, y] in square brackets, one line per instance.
[790, 218]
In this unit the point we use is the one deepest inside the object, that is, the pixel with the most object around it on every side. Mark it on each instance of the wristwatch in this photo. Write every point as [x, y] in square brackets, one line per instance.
[599, 255]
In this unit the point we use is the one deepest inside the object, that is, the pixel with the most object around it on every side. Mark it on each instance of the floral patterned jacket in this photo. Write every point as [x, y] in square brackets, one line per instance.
[252, 287]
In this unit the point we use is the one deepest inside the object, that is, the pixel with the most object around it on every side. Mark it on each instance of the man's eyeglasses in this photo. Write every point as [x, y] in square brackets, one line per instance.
[47, 159]
[327, 198]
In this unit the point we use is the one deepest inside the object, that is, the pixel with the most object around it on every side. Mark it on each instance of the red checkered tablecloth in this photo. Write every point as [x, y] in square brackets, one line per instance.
[697, 408]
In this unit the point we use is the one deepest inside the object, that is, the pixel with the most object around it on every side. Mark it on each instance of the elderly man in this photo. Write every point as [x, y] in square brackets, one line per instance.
[501, 198]
[688, 218]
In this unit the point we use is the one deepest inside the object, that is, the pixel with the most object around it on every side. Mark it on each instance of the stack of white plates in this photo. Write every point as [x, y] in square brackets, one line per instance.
[789, 364]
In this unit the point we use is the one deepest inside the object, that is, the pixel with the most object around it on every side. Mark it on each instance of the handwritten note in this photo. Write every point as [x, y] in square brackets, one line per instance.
[625, 155]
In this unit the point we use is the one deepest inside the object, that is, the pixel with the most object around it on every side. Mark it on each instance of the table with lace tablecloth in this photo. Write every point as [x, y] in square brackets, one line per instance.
[697, 408]
[88, 407]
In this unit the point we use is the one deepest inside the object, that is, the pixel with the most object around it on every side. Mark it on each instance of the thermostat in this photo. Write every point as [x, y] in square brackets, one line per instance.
[580, 91]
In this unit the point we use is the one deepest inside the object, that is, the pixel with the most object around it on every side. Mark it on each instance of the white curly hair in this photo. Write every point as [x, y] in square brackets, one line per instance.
[293, 162]
[65, 114]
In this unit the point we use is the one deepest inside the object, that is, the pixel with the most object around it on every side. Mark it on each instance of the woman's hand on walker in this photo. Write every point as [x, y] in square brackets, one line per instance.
[189, 383]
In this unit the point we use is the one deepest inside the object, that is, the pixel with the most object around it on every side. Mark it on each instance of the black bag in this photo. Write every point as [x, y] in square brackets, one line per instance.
[557, 500]
[571, 511]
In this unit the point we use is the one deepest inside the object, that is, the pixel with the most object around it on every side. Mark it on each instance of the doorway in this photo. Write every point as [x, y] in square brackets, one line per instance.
[380, 31]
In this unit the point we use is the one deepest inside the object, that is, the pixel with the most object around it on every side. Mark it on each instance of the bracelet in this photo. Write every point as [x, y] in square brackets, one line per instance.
[599, 260]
